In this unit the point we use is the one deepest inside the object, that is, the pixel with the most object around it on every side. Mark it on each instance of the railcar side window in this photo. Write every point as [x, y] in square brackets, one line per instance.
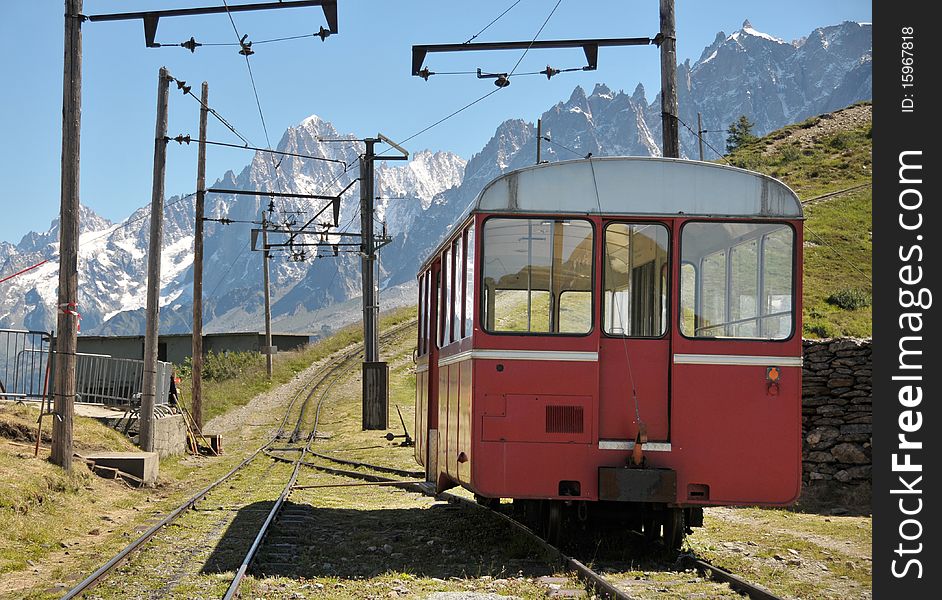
[444, 307]
[459, 290]
[736, 280]
[635, 278]
[420, 345]
[469, 284]
[537, 276]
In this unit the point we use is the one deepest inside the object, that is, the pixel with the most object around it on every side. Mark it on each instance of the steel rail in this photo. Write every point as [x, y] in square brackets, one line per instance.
[240, 574]
[109, 566]
[106, 568]
[753, 590]
[381, 469]
[395, 330]
[603, 587]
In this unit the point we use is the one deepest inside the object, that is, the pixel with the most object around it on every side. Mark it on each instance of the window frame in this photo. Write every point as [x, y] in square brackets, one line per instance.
[669, 263]
[482, 258]
[467, 313]
[796, 308]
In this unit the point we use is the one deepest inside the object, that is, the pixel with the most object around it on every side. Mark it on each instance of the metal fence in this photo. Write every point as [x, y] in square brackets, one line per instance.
[100, 379]
[24, 356]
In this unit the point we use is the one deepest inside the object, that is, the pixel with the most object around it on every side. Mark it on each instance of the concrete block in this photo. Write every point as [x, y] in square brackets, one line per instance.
[170, 435]
[142, 465]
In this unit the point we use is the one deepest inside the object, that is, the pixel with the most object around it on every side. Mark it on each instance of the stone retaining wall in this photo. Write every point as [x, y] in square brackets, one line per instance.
[837, 421]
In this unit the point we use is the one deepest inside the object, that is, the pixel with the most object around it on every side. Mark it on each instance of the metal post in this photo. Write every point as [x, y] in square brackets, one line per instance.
[149, 385]
[269, 351]
[539, 140]
[375, 373]
[700, 133]
[671, 147]
[196, 403]
[67, 315]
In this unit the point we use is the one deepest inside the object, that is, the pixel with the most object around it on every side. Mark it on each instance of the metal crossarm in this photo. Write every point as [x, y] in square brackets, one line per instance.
[152, 18]
[589, 46]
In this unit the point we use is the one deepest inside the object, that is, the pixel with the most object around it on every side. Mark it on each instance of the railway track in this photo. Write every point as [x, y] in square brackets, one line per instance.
[279, 529]
[590, 577]
[325, 376]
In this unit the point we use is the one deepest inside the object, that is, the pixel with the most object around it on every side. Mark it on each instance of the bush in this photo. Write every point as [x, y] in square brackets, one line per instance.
[819, 329]
[227, 365]
[850, 298]
[839, 141]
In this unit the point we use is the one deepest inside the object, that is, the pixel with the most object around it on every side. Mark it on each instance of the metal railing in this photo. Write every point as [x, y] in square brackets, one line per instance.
[102, 379]
[99, 378]
[24, 356]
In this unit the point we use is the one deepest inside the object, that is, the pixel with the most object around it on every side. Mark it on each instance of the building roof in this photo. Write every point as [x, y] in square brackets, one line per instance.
[189, 335]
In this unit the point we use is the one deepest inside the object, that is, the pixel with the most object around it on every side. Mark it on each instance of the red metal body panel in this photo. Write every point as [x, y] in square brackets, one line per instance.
[507, 425]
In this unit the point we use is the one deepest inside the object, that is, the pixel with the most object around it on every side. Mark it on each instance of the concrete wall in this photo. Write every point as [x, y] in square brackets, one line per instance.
[837, 417]
[116, 347]
[177, 348]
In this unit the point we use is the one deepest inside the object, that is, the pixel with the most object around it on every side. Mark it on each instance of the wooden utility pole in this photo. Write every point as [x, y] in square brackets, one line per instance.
[539, 141]
[269, 350]
[700, 133]
[671, 145]
[149, 384]
[196, 404]
[67, 316]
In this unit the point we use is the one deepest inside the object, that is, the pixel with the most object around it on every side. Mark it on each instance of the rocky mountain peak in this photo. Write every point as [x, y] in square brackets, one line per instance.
[748, 72]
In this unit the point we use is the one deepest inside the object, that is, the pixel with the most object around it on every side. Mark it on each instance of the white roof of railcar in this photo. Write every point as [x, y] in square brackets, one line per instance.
[636, 186]
[629, 185]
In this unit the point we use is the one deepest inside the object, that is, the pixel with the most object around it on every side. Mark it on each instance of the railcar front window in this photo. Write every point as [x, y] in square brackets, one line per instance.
[537, 276]
[635, 298]
[736, 280]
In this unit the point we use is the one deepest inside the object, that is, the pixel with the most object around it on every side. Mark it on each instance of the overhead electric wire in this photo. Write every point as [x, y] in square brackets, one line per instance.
[564, 147]
[703, 139]
[487, 95]
[187, 139]
[539, 31]
[106, 233]
[847, 261]
[233, 44]
[186, 90]
[443, 119]
[258, 103]
[497, 18]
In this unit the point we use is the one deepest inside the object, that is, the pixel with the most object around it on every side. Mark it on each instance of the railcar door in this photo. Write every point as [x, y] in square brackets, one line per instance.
[426, 373]
[737, 355]
[634, 345]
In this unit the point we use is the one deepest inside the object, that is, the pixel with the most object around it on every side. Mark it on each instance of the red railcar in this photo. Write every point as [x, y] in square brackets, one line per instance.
[619, 335]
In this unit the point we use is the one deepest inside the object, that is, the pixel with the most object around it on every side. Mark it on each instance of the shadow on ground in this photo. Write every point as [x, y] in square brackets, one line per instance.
[438, 541]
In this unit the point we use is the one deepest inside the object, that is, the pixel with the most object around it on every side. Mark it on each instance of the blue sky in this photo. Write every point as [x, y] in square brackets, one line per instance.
[359, 79]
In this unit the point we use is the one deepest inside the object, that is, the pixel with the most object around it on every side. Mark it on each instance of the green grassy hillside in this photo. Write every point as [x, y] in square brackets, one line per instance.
[818, 157]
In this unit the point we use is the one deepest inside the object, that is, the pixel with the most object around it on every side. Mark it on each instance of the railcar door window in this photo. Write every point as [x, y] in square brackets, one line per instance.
[537, 275]
[736, 280]
[635, 299]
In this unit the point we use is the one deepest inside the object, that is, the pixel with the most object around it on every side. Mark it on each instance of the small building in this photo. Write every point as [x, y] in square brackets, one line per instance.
[177, 347]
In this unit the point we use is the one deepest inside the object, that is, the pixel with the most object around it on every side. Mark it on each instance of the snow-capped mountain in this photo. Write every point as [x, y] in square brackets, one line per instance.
[748, 72]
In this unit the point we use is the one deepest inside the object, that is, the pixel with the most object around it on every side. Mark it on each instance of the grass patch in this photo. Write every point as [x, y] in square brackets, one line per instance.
[232, 380]
[838, 244]
[44, 509]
